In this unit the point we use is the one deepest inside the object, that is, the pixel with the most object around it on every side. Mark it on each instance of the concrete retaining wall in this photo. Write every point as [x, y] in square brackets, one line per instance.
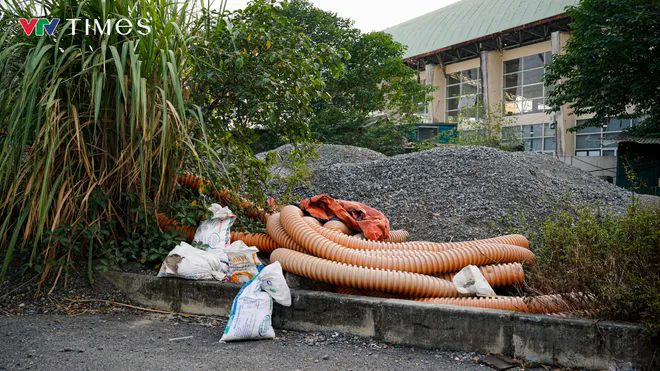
[535, 338]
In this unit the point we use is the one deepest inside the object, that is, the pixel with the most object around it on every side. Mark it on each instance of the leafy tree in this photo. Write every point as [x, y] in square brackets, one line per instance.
[374, 102]
[256, 73]
[611, 63]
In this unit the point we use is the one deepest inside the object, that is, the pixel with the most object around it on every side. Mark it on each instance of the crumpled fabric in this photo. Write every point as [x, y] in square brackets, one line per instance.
[357, 216]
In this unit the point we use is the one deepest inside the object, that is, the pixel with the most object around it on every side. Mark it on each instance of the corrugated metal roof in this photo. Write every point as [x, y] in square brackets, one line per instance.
[471, 19]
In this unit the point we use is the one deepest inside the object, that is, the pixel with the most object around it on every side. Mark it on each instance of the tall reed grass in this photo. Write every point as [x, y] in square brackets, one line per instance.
[80, 113]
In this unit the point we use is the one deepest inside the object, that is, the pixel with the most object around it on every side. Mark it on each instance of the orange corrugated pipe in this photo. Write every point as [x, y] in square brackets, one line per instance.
[167, 223]
[410, 261]
[497, 274]
[338, 226]
[277, 232]
[261, 241]
[398, 235]
[404, 283]
[361, 244]
[250, 209]
[511, 273]
[537, 304]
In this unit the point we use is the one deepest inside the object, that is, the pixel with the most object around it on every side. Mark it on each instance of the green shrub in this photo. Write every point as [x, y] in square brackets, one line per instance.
[614, 258]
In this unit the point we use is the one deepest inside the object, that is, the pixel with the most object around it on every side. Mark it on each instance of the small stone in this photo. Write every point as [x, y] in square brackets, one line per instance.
[326, 357]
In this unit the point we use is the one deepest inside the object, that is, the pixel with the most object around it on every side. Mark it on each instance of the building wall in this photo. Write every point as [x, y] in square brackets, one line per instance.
[493, 63]
[603, 167]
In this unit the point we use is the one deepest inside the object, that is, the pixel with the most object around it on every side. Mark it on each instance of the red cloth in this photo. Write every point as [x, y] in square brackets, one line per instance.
[357, 216]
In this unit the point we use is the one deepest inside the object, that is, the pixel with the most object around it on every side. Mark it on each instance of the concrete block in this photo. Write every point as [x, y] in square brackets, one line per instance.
[449, 327]
[208, 298]
[323, 311]
[574, 342]
[536, 338]
[297, 282]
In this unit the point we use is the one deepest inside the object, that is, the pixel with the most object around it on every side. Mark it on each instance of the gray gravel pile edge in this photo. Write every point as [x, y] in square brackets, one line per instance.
[461, 192]
[328, 154]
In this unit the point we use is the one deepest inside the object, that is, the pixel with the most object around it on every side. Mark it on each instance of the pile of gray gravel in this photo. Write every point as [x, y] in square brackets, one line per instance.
[328, 154]
[459, 192]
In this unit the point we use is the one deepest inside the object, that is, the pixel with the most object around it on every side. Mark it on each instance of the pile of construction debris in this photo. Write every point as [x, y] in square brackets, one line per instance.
[459, 192]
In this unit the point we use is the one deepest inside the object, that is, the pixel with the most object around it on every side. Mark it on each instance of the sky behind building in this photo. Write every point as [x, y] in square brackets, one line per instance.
[371, 15]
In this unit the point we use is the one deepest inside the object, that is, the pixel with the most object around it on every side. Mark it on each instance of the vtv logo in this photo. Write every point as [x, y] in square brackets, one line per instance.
[40, 24]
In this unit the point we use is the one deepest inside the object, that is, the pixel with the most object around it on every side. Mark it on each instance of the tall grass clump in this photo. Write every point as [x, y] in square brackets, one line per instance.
[614, 259]
[87, 119]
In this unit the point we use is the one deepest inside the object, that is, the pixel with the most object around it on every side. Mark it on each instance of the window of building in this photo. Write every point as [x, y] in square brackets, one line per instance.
[422, 108]
[424, 133]
[534, 137]
[522, 84]
[599, 141]
[463, 94]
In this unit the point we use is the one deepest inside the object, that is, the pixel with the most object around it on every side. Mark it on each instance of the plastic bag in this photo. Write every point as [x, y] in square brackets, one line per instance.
[243, 261]
[185, 261]
[215, 231]
[250, 316]
[470, 280]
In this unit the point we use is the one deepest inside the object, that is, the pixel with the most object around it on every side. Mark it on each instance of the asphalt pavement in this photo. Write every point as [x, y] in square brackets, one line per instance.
[127, 341]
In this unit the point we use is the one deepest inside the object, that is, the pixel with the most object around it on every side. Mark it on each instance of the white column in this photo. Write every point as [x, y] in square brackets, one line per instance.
[555, 39]
[484, 78]
[428, 80]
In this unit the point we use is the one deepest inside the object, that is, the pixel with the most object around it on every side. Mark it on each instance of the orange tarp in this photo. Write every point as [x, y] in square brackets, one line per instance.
[357, 216]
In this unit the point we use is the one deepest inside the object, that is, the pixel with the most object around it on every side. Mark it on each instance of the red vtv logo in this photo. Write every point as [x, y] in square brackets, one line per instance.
[39, 25]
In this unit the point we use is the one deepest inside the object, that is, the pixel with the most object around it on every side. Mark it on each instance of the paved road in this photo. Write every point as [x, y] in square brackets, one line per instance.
[129, 341]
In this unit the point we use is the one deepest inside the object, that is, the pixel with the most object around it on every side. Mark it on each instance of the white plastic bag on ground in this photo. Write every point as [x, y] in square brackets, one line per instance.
[215, 231]
[470, 280]
[185, 261]
[250, 316]
[243, 261]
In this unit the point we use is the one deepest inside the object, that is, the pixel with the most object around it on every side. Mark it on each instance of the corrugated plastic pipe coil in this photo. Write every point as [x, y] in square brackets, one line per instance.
[191, 181]
[262, 241]
[497, 275]
[416, 270]
[168, 223]
[398, 235]
[410, 261]
[361, 244]
[336, 273]
[537, 304]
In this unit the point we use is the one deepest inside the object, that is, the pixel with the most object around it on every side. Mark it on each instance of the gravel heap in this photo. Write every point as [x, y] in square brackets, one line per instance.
[329, 154]
[460, 192]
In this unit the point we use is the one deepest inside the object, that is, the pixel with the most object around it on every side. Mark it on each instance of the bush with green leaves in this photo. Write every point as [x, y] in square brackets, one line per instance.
[613, 258]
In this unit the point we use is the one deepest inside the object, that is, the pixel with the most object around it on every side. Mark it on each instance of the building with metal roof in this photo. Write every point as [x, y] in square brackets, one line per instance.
[491, 55]
[461, 30]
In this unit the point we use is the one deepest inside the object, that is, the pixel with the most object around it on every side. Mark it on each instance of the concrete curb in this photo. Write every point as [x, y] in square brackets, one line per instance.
[579, 343]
